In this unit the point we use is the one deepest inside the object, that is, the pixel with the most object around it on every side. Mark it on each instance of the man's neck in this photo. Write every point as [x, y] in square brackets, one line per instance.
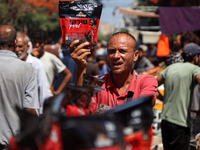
[122, 81]
[6, 48]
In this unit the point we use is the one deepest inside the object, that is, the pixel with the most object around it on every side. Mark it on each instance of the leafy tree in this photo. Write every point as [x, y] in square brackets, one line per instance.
[38, 19]
[25, 17]
[10, 9]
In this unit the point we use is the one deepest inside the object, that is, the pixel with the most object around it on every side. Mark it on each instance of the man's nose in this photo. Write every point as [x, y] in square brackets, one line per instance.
[117, 53]
[17, 48]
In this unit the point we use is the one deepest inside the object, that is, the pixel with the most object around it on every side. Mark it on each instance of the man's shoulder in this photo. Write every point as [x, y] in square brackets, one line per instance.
[21, 63]
[27, 66]
[145, 76]
[145, 58]
[18, 63]
[146, 79]
[22, 67]
[52, 57]
[47, 54]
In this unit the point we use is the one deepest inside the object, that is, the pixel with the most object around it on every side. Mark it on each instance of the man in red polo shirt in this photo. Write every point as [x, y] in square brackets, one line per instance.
[121, 80]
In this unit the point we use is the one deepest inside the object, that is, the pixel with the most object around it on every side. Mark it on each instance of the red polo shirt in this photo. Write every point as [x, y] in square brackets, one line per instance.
[140, 85]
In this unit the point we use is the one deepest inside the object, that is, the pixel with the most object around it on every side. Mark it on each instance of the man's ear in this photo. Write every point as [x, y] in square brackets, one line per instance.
[196, 59]
[135, 56]
[27, 46]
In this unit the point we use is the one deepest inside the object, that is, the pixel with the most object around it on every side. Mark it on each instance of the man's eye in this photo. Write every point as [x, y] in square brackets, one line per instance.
[111, 51]
[18, 46]
[122, 51]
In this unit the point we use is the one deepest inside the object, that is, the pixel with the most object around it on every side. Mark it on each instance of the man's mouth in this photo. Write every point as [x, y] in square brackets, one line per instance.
[18, 54]
[117, 64]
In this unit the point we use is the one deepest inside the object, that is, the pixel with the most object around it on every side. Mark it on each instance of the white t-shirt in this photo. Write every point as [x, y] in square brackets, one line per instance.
[52, 66]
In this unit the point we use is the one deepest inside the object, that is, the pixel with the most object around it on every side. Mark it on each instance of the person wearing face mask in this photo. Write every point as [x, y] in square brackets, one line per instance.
[21, 48]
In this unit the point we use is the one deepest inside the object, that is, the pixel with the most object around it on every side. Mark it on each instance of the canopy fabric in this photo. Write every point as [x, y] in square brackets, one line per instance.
[175, 20]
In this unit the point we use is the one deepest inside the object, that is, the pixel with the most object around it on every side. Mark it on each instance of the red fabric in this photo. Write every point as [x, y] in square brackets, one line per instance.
[175, 20]
[144, 85]
[135, 141]
[74, 111]
[12, 144]
[54, 141]
[93, 105]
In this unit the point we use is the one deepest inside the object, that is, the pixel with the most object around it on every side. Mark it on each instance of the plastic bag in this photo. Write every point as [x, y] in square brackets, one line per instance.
[79, 20]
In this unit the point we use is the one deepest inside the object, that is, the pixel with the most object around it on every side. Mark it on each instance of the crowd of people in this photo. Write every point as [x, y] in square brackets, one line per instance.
[29, 76]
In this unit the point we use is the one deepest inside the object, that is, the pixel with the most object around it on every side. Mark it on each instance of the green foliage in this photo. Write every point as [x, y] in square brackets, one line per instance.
[9, 11]
[39, 19]
[3, 12]
[25, 18]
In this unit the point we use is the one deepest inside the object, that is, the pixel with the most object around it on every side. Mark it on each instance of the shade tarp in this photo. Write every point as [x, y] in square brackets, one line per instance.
[172, 20]
[175, 20]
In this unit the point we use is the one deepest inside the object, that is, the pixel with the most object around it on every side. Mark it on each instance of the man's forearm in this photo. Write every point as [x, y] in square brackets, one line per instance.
[79, 76]
[64, 83]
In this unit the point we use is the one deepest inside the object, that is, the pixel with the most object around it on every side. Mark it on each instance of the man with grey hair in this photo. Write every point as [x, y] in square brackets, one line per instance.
[18, 86]
[21, 48]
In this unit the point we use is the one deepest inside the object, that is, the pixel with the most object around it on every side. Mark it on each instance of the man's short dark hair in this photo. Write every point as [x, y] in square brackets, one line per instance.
[125, 33]
[187, 58]
[189, 37]
[38, 34]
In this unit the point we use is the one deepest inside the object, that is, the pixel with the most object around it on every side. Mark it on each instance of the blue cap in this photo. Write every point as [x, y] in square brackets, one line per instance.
[191, 49]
